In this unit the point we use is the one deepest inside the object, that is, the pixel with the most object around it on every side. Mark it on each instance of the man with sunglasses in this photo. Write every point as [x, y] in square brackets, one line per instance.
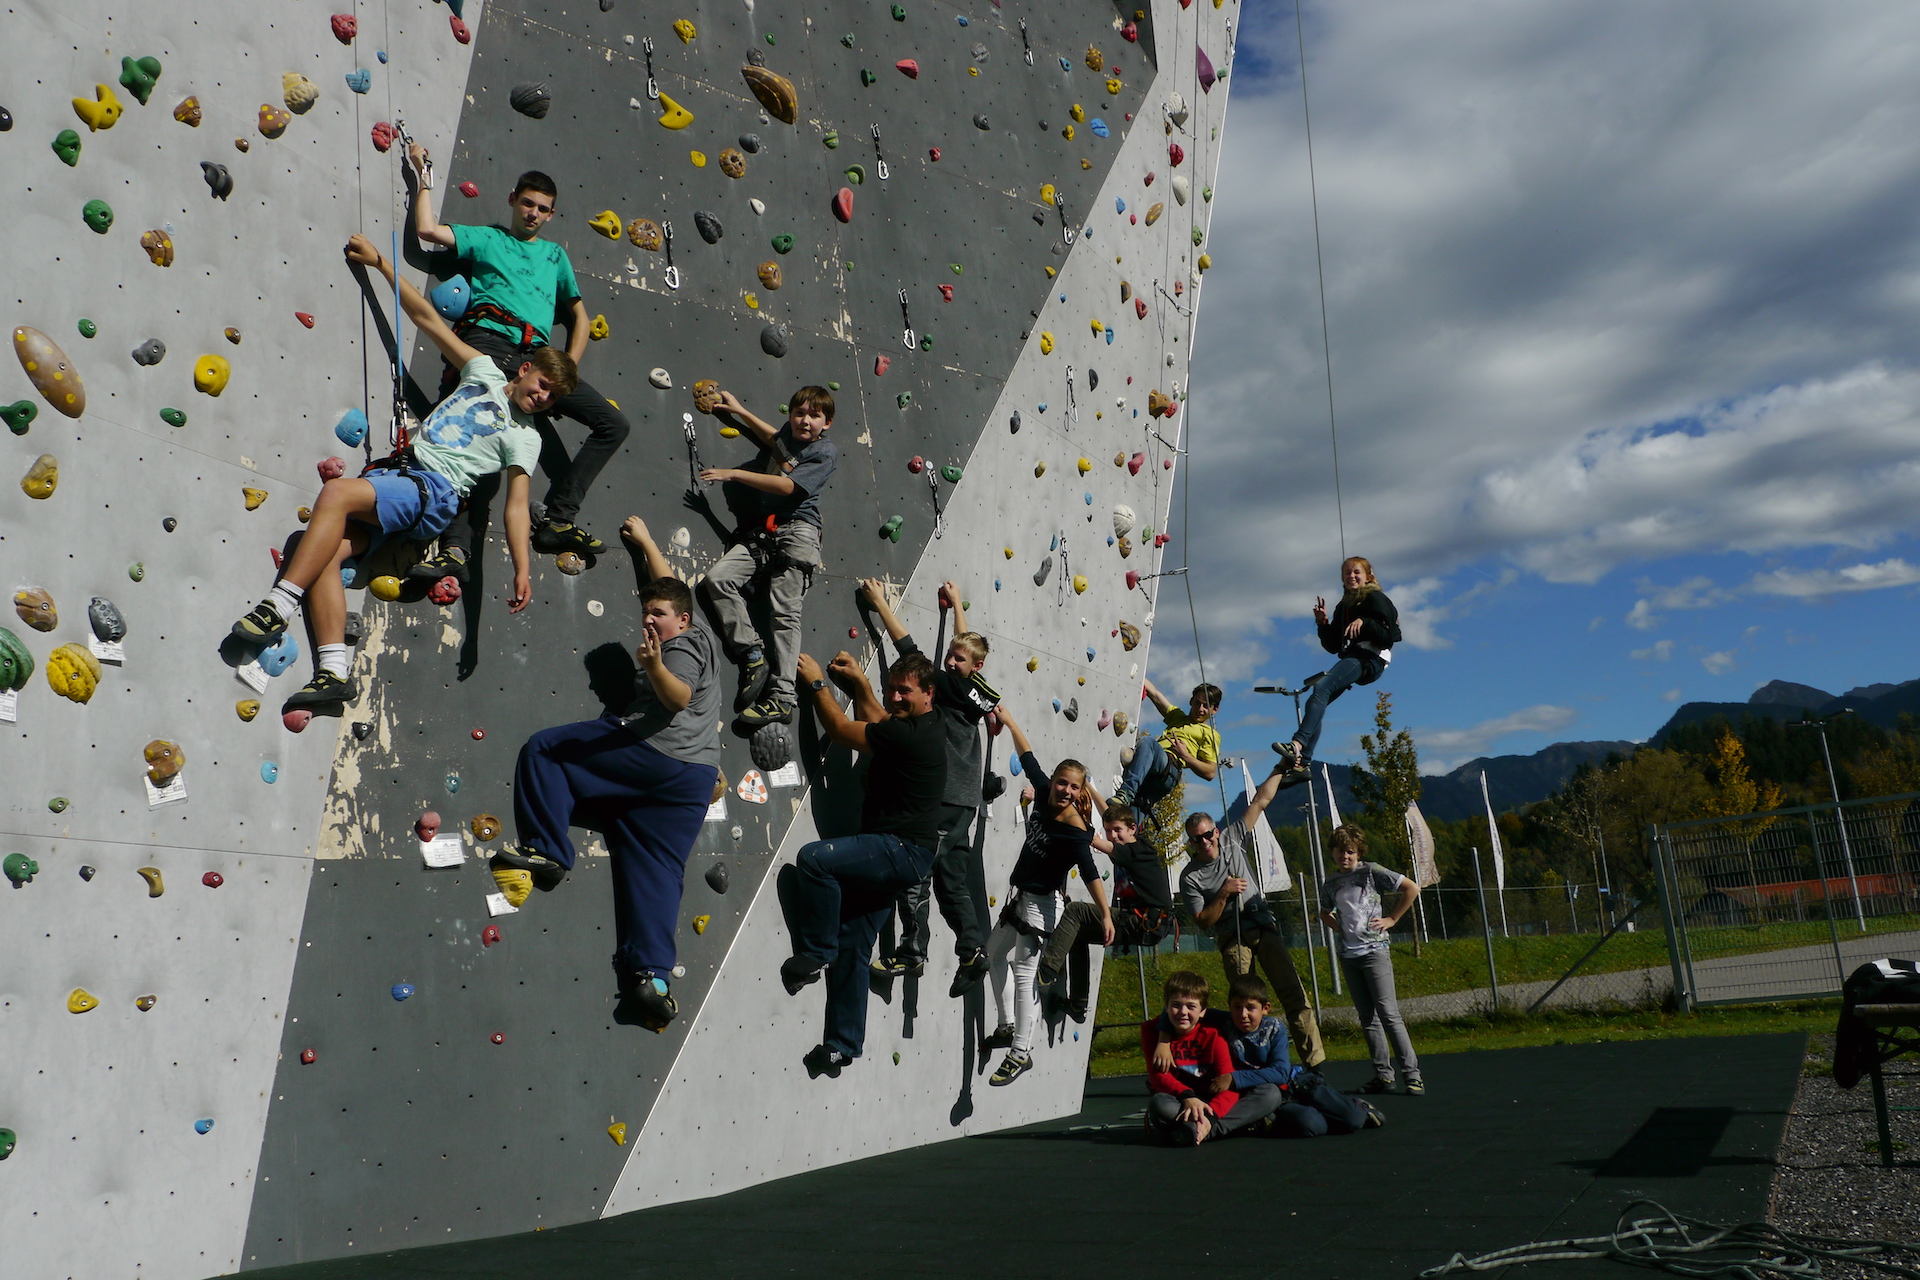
[1222, 890]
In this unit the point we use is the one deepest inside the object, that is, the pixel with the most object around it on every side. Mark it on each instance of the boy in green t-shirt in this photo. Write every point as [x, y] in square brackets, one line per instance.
[1189, 741]
[518, 283]
[482, 429]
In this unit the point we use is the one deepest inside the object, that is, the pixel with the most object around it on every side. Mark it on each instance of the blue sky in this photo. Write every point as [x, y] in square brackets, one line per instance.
[1624, 301]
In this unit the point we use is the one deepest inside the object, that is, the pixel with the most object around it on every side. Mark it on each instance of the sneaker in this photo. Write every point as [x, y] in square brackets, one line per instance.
[800, 971]
[1374, 1118]
[1014, 1066]
[557, 535]
[1077, 1009]
[1122, 796]
[971, 970]
[448, 564]
[753, 679]
[1002, 1037]
[768, 711]
[324, 690]
[1047, 976]
[547, 874]
[262, 626]
[1377, 1085]
[898, 967]
[822, 1061]
[1416, 1088]
[647, 992]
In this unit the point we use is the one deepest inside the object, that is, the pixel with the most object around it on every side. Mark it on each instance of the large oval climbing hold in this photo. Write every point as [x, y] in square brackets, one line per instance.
[156, 883]
[16, 663]
[36, 608]
[708, 226]
[73, 672]
[51, 373]
[534, 100]
[773, 341]
[673, 115]
[42, 478]
[769, 273]
[385, 587]
[775, 91]
[81, 1000]
[843, 204]
[210, 374]
[1153, 214]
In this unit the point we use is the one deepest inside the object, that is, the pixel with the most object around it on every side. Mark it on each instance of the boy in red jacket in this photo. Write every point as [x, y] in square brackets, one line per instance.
[1195, 1100]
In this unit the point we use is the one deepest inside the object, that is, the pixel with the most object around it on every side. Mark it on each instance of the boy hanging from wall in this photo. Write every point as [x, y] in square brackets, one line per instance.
[1188, 742]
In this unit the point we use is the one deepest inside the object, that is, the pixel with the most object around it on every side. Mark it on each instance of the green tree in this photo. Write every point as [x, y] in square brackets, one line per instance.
[1388, 783]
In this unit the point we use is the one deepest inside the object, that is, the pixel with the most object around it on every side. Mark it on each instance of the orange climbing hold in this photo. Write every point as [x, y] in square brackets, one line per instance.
[304, 318]
[164, 760]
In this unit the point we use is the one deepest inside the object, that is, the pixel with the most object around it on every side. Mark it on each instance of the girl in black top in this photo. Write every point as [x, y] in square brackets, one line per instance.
[1061, 836]
[1361, 634]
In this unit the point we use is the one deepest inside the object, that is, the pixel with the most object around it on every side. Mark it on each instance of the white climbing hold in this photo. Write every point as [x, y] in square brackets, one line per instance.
[595, 608]
[1177, 110]
[681, 538]
[757, 206]
[1181, 187]
[661, 379]
[1123, 519]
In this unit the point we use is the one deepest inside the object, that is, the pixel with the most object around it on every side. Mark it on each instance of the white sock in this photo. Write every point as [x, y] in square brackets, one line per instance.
[286, 598]
[334, 659]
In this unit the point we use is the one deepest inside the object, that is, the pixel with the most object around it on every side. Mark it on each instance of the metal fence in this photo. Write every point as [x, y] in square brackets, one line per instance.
[1785, 904]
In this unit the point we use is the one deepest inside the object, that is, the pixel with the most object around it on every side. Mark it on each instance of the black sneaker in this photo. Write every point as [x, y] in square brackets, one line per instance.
[1377, 1085]
[547, 874]
[898, 967]
[1374, 1118]
[1002, 1037]
[1014, 1066]
[1416, 1089]
[448, 564]
[800, 971]
[822, 1061]
[1077, 1009]
[753, 680]
[557, 536]
[1294, 777]
[1047, 975]
[967, 977]
[768, 711]
[324, 690]
[263, 625]
[649, 997]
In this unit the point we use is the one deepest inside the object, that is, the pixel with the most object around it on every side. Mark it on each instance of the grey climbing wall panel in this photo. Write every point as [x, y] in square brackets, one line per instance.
[411, 1125]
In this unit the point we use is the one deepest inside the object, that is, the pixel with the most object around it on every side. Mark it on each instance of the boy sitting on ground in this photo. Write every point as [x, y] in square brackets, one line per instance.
[1142, 908]
[776, 503]
[1193, 1098]
[1188, 741]
[1258, 1043]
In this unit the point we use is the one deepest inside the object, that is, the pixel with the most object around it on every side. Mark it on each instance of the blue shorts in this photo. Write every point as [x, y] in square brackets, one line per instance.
[403, 508]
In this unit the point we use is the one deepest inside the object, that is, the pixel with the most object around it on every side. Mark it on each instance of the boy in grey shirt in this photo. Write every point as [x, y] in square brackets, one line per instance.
[1351, 902]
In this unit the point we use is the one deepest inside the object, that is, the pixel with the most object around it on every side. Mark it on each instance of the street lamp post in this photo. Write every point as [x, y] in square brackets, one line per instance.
[1839, 815]
[1312, 808]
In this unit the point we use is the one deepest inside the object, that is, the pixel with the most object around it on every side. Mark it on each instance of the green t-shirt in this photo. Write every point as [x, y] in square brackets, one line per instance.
[476, 431]
[526, 278]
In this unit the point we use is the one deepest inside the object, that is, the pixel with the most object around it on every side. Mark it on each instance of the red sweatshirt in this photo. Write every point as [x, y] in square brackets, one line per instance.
[1198, 1058]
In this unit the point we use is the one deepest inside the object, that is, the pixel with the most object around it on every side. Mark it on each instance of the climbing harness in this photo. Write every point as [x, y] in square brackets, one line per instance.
[694, 468]
[907, 320]
[1025, 41]
[672, 275]
[653, 88]
[879, 161]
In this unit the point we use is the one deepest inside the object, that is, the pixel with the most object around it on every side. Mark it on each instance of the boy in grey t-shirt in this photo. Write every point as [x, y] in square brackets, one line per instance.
[1352, 901]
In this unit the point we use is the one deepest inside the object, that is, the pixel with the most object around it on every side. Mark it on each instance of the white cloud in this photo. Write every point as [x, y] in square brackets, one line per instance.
[1671, 695]
[1814, 584]
[1718, 663]
[1642, 617]
[1443, 750]
[1659, 651]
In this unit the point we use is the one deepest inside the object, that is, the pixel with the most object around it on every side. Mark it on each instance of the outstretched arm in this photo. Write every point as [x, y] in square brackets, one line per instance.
[847, 672]
[360, 250]
[636, 535]
[1020, 744]
[757, 427]
[1160, 699]
[425, 225]
[875, 597]
[951, 594]
[833, 721]
[1263, 795]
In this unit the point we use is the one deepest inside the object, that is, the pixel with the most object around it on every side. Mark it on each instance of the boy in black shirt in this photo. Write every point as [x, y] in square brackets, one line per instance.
[846, 885]
[1142, 907]
[962, 699]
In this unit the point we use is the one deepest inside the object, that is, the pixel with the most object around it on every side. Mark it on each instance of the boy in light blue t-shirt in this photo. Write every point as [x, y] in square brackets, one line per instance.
[482, 429]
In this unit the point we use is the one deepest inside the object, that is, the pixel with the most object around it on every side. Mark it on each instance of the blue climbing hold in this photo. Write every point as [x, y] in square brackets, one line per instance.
[1098, 126]
[1109, 539]
[1042, 406]
[1063, 297]
[279, 655]
[1089, 653]
[1065, 65]
[451, 298]
[453, 783]
[1056, 704]
[401, 990]
[382, 55]
[1055, 544]
[963, 19]
[1119, 204]
[1089, 499]
[996, 584]
[1013, 764]
[359, 79]
[1109, 337]
[352, 428]
[203, 1126]
[269, 772]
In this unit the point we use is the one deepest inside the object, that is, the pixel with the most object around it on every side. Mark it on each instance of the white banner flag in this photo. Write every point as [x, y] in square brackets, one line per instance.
[1333, 809]
[1268, 864]
[1426, 872]
[1493, 834]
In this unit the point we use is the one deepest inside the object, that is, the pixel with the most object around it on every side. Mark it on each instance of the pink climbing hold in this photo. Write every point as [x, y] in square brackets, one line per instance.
[446, 591]
[843, 204]
[916, 464]
[1149, 177]
[498, 1038]
[345, 25]
[1130, 33]
[297, 720]
[1162, 539]
[382, 136]
[1205, 65]
[304, 317]
[993, 724]
[331, 469]
[933, 153]
[1140, 307]
[1136, 462]
[946, 293]
[1175, 154]
[853, 633]
[213, 879]
[427, 825]
[908, 68]
[881, 364]
[469, 190]
[1133, 579]
[490, 935]
[1133, 219]
[460, 31]
[1166, 464]
[308, 1057]
[1104, 719]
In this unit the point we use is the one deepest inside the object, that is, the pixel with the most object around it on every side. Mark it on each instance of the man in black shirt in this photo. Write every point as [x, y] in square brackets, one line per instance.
[846, 885]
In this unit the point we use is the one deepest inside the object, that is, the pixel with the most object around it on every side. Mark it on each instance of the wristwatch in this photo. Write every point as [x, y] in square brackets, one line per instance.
[817, 685]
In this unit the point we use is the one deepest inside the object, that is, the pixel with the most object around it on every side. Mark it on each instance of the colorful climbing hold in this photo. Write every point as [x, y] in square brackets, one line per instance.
[908, 68]
[383, 136]
[1204, 65]
[98, 215]
[51, 373]
[164, 760]
[213, 879]
[58, 804]
[156, 883]
[102, 113]
[618, 1132]
[187, 112]
[490, 935]
[298, 92]
[950, 473]
[36, 608]
[159, 247]
[253, 497]
[830, 139]
[19, 415]
[80, 1001]
[856, 174]
[460, 33]
[401, 990]
[274, 120]
[42, 477]
[345, 26]
[16, 663]
[210, 374]
[684, 30]
[20, 869]
[534, 100]
[308, 1057]
[700, 923]
[269, 772]
[247, 708]
[73, 672]
[1153, 214]
[891, 529]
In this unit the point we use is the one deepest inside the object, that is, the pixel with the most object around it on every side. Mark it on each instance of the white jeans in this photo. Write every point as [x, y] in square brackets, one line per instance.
[1015, 956]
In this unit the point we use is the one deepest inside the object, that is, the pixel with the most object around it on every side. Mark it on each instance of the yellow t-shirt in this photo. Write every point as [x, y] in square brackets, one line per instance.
[1199, 738]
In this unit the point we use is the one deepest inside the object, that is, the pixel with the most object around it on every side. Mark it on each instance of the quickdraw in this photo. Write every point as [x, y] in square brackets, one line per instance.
[653, 89]
[879, 161]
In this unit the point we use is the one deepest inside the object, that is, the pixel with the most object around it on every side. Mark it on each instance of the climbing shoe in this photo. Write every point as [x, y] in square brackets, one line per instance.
[646, 993]
[1077, 1009]
[1289, 752]
[1047, 976]
[448, 564]
[262, 626]
[898, 967]
[324, 690]
[1374, 1118]
[1122, 796]
[557, 536]
[547, 874]
[1294, 777]
[753, 679]
[768, 711]
[1002, 1037]
[822, 1061]
[1416, 1089]
[968, 975]
[1012, 1067]
[1377, 1085]
[800, 971]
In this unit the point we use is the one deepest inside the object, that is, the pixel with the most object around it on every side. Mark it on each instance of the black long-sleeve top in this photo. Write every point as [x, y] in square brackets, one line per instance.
[1379, 627]
[1051, 848]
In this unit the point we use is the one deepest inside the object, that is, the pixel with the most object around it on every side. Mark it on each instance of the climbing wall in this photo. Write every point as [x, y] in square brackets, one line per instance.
[345, 1047]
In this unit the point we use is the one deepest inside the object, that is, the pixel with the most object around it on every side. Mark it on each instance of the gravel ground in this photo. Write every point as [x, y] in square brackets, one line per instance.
[1830, 1181]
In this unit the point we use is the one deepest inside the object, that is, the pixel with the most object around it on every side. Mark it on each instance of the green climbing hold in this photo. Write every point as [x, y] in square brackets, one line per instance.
[832, 138]
[904, 399]
[1206, 193]
[20, 869]
[1198, 235]
[891, 529]
[950, 473]
[847, 40]
[896, 1057]
[66, 145]
[16, 663]
[867, 78]
[98, 215]
[88, 328]
[770, 39]
[173, 417]
[783, 243]
[8, 1141]
[899, 13]
[856, 174]
[926, 342]
[58, 804]
[833, 386]
[19, 415]
[137, 76]
[137, 571]
[954, 267]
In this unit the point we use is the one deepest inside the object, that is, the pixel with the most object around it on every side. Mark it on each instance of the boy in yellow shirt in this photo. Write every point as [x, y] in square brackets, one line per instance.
[1189, 741]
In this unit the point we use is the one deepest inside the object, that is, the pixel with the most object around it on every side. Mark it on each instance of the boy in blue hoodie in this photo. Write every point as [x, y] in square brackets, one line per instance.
[1258, 1043]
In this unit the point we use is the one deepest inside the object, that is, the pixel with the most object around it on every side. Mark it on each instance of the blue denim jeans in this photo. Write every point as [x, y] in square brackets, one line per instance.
[1339, 678]
[1150, 775]
[845, 889]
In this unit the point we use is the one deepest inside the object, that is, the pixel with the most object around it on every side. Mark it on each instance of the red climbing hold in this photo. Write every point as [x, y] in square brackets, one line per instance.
[946, 293]
[1133, 219]
[427, 826]
[469, 190]
[498, 1038]
[1166, 464]
[307, 1056]
[275, 553]
[853, 633]
[479, 734]
[916, 464]
[908, 68]
[297, 720]
[213, 879]
[1130, 33]
[843, 205]
[382, 136]
[1136, 462]
[993, 724]
[1140, 307]
[1149, 178]
[490, 935]
[460, 31]
[881, 364]
[1175, 154]
[445, 592]
[344, 27]
[1133, 579]
[933, 153]
[305, 318]
[330, 469]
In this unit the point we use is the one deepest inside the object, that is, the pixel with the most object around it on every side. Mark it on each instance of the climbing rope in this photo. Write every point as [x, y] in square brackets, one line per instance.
[1686, 1246]
[1326, 340]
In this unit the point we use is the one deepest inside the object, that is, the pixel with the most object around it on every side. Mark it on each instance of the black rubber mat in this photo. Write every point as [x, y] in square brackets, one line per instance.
[1507, 1146]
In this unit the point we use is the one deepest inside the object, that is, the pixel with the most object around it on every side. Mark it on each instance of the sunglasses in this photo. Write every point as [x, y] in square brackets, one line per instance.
[1214, 834]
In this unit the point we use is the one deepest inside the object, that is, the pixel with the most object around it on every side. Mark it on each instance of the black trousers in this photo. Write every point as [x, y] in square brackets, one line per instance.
[568, 477]
[954, 861]
[1068, 947]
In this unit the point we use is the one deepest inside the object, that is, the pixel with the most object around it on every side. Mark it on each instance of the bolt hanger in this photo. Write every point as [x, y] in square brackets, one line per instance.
[1066, 232]
[653, 89]
[1066, 571]
[1073, 401]
[933, 485]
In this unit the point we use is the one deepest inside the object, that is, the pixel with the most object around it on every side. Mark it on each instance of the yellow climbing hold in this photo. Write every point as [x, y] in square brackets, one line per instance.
[155, 885]
[385, 587]
[42, 478]
[1080, 589]
[729, 433]
[752, 300]
[1046, 193]
[1033, 664]
[1039, 468]
[298, 92]
[1008, 551]
[673, 115]
[699, 159]
[1098, 327]
[81, 1001]
[210, 374]
[514, 884]
[1046, 344]
[254, 497]
[700, 923]
[1078, 112]
[102, 113]
[1085, 465]
[1051, 273]
[49, 370]
[683, 29]
[599, 328]
[1113, 84]
[607, 224]
[164, 760]
[73, 672]
[618, 1132]
[247, 708]
[1206, 260]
